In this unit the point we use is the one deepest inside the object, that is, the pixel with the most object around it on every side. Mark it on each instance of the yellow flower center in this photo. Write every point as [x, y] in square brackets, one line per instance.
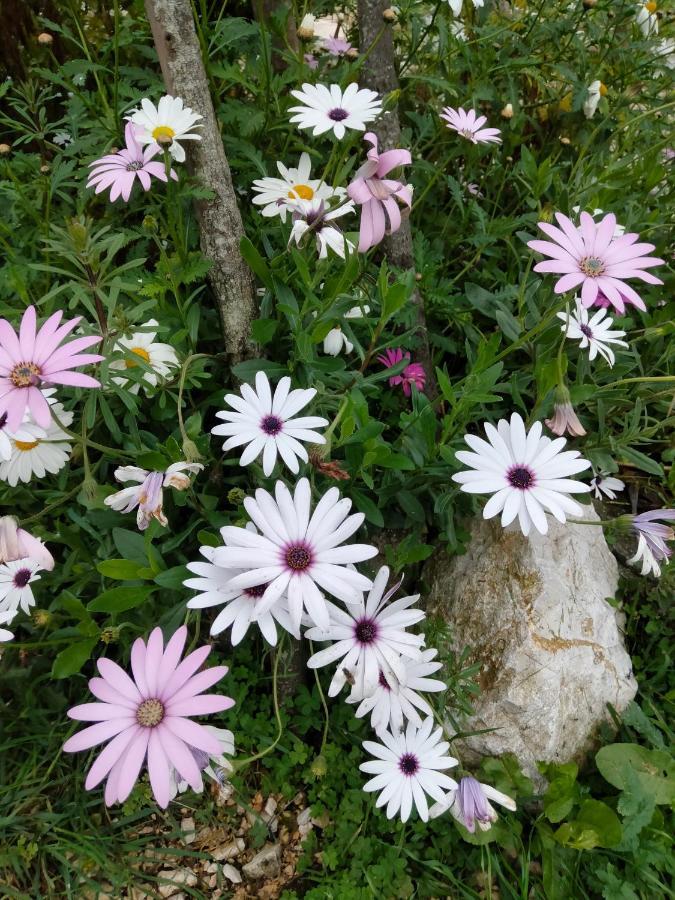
[304, 191]
[602, 90]
[25, 446]
[651, 7]
[139, 351]
[163, 134]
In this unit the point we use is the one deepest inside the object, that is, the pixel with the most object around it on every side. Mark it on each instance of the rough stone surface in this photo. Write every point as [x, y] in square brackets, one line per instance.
[535, 615]
[266, 864]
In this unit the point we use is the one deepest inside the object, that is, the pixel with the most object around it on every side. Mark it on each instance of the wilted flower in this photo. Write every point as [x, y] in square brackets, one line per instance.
[565, 419]
[305, 29]
[596, 90]
[652, 536]
[45, 38]
[507, 112]
[311, 217]
[147, 494]
[469, 802]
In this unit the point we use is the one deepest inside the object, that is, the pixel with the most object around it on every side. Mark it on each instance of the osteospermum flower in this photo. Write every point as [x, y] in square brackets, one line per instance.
[119, 171]
[596, 90]
[34, 358]
[166, 124]
[5, 633]
[377, 195]
[526, 473]
[147, 493]
[36, 451]
[413, 374]
[266, 423]
[602, 483]
[652, 536]
[312, 218]
[329, 108]
[369, 638]
[407, 767]
[16, 578]
[390, 706]
[298, 552]
[336, 46]
[469, 803]
[276, 195]
[148, 718]
[16, 543]
[593, 332]
[469, 125]
[142, 346]
[592, 257]
[215, 766]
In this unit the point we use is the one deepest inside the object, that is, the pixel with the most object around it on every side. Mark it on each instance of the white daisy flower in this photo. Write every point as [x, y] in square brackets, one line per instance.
[369, 638]
[390, 705]
[602, 483]
[16, 578]
[147, 493]
[7, 437]
[141, 345]
[216, 767]
[594, 332]
[329, 108]
[5, 633]
[469, 802]
[166, 124]
[266, 423]
[276, 195]
[336, 341]
[646, 19]
[313, 218]
[525, 472]
[241, 604]
[596, 90]
[407, 767]
[456, 6]
[36, 451]
[297, 551]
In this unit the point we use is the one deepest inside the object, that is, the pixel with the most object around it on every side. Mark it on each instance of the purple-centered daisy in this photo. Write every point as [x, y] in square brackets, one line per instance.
[119, 171]
[469, 125]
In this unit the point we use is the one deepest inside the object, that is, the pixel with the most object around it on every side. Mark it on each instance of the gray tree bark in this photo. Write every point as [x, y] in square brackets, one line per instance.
[380, 75]
[220, 224]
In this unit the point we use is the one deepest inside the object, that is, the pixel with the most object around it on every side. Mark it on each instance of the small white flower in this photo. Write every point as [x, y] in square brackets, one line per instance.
[601, 483]
[593, 332]
[596, 90]
[646, 19]
[369, 638]
[166, 124]
[336, 341]
[329, 108]
[525, 472]
[469, 802]
[456, 6]
[141, 345]
[391, 705]
[216, 767]
[36, 451]
[407, 767]
[147, 494]
[16, 578]
[276, 195]
[311, 217]
[266, 423]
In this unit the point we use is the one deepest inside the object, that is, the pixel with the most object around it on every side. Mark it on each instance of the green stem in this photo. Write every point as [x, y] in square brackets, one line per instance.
[85, 442]
[645, 378]
[240, 763]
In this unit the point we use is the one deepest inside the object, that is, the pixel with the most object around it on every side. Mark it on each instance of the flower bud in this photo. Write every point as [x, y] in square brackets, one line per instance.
[149, 224]
[319, 767]
[110, 635]
[306, 28]
[45, 39]
[4, 149]
[236, 496]
[589, 4]
[507, 112]
[190, 451]
[352, 53]
[389, 14]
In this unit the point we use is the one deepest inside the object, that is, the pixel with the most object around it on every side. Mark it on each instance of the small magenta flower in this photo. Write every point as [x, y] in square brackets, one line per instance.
[413, 374]
[119, 171]
[469, 803]
[652, 536]
[377, 195]
[148, 492]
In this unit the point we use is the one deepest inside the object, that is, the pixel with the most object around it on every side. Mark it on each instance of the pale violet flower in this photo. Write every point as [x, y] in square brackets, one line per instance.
[147, 492]
[652, 535]
[602, 483]
[312, 218]
[469, 803]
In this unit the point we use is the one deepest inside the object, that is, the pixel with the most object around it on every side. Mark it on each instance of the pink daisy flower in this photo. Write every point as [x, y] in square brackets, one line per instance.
[591, 256]
[470, 125]
[412, 374]
[147, 717]
[119, 171]
[33, 359]
[377, 195]
[336, 46]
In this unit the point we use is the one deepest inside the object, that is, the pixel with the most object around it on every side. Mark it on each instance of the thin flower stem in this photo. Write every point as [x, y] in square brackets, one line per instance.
[590, 522]
[181, 387]
[636, 380]
[326, 714]
[111, 451]
[63, 499]
[240, 763]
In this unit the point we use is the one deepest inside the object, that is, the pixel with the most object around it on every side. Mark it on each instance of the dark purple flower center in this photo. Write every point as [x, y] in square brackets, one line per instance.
[408, 764]
[298, 557]
[3, 420]
[271, 425]
[520, 477]
[255, 592]
[150, 713]
[382, 681]
[338, 114]
[584, 329]
[365, 631]
[135, 166]
[21, 578]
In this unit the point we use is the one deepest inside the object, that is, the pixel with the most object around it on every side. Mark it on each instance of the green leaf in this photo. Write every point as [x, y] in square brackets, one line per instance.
[597, 825]
[70, 661]
[642, 461]
[172, 578]
[365, 505]
[655, 769]
[256, 262]
[121, 569]
[263, 330]
[120, 599]
[394, 298]
[562, 792]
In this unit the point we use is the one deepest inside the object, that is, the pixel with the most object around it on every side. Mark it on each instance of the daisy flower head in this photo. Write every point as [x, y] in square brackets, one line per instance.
[413, 374]
[119, 171]
[312, 218]
[276, 195]
[379, 196]
[328, 108]
[266, 423]
[369, 638]
[527, 474]
[35, 451]
[5, 633]
[407, 767]
[391, 705]
[298, 552]
[147, 492]
[16, 543]
[469, 803]
[594, 333]
[596, 90]
[34, 358]
[469, 125]
[652, 535]
[241, 605]
[336, 46]
[16, 578]
[604, 484]
[647, 19]
[147, 718]
[336, 341]
[166, 125]
[215, 766]
[592, 257]
[159, 359]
